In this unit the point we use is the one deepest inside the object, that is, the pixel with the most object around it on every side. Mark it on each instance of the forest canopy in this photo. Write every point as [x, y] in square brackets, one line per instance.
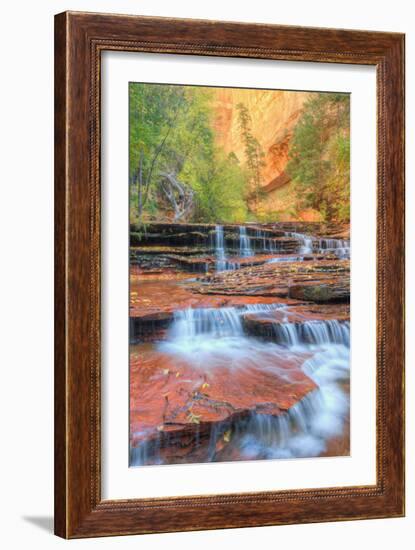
[180, 171]
[320, 156]
[176, 169]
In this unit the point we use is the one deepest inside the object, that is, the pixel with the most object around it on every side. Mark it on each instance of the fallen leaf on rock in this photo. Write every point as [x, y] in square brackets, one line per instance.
[194, 418]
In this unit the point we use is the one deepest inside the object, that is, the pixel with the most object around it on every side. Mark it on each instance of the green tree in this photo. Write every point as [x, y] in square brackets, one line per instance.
[320, 156]
[154, 114]
[176, 170]
[220, 186]
[253, 153]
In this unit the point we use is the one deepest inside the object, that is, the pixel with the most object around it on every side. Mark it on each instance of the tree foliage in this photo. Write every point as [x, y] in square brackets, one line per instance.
[253, 153]
[176, 171]
[320, 156]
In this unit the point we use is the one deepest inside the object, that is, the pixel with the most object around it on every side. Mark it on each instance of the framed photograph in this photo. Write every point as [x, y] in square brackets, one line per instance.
[229, 275]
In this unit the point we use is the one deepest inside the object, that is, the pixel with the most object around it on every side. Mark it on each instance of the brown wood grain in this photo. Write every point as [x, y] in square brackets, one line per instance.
[79, 40]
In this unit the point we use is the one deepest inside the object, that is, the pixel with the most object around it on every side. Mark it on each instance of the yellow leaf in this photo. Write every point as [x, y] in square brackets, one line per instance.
[194, 418]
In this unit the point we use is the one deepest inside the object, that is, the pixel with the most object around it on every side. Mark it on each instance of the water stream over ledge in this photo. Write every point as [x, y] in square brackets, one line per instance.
[212, 337]
[255, 241]
[226, 393]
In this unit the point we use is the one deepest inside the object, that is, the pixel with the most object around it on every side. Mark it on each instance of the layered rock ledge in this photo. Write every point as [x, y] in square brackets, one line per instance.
[175, 403]
[315, 281]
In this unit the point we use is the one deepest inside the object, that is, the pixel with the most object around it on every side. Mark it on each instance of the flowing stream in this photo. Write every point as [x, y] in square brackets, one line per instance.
[218, 337]
[244, 243]
[310, 244]
[259, 242]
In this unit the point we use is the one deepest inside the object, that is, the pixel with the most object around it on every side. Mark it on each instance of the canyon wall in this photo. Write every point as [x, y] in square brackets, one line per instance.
[274, 115]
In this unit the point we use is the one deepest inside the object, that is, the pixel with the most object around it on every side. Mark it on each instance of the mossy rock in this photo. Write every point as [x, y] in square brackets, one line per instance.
[321, 294]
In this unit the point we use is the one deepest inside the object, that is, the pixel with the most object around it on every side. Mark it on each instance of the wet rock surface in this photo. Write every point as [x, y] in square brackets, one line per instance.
[265, 325]
[223, 324]
[174, 401]
[315, 281]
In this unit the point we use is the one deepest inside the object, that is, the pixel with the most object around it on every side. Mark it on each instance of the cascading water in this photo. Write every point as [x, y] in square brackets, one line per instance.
[312, 332]
[218, 338]
[220, 249]
[261, 243]
[244, 243]
[213, 322]
[221, 261]
[306, 241]
[339, 247]
[304, 429]
[266, 244]
[209, 329]
[210, 336]
[245, 248]
[310, 244]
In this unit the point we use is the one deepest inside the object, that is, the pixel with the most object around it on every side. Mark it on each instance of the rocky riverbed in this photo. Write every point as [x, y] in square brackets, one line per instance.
[239, 339]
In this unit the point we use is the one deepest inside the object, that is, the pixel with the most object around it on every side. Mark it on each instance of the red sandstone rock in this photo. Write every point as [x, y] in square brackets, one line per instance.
[263, 324]
[173, 396]
[277, 279]
[164, 293]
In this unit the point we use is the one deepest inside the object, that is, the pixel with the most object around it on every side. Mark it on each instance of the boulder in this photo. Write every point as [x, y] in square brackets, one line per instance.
[337, 290]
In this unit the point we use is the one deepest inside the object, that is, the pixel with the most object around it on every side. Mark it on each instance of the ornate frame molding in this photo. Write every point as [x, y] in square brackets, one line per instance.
[79, 40]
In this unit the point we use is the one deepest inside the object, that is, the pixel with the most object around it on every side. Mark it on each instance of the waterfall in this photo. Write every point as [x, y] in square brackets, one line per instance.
[244, 243]
[305, 240]
[339, 247]
[213, 322]
[260, 308]
[220, 343]
[261, 235]
[222, 263]
[267, 244]
[303, 430]
[227, 321]
[220, 249]
[197, 329]
[312, 332]
[215, 336]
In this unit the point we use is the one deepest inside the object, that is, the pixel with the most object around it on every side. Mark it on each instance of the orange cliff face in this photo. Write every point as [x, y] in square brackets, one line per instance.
[274, 115]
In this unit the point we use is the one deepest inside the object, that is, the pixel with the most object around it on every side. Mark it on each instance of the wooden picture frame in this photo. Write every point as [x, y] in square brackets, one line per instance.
[79, 40]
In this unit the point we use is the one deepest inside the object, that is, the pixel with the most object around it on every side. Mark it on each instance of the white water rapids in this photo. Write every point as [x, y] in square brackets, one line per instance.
[208, 338]
[216, 336]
